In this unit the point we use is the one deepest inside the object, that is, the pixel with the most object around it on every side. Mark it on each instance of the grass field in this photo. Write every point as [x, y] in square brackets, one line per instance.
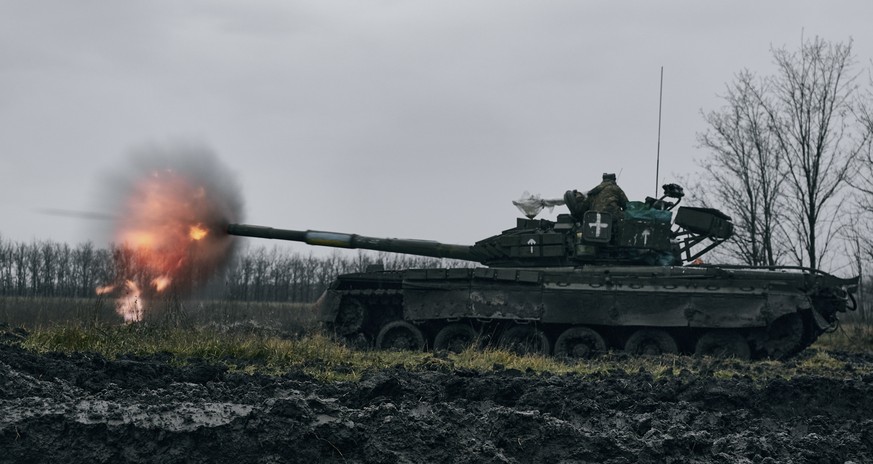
[270, 338]
[253, 350]
[41, 313]
[855, 337]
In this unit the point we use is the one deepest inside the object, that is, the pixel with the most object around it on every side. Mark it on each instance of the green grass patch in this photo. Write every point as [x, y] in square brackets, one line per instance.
[854, 337]
[324, 359]
[821, 361]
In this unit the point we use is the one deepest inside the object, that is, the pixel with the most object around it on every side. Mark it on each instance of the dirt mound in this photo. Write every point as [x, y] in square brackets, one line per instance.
[83, 407]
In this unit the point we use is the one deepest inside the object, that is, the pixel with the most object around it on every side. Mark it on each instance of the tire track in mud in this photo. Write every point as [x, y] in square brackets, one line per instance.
[83, 407]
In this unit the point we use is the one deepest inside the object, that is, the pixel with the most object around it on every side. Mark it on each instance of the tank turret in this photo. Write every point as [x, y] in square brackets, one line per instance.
[642, 235]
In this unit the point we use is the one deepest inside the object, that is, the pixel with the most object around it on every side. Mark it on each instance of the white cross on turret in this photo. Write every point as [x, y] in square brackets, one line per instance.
[598, 225]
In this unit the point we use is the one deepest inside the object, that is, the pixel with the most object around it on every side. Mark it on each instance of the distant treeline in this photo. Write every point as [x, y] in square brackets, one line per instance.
[50, 269]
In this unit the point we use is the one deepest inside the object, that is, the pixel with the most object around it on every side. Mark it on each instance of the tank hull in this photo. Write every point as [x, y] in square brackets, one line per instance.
[582, 284]
[748, 312]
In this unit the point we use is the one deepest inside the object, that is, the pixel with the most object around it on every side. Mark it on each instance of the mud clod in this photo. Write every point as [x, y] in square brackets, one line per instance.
[86, 408]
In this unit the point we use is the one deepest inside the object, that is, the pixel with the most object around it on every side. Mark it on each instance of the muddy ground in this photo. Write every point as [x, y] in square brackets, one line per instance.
[85, 408]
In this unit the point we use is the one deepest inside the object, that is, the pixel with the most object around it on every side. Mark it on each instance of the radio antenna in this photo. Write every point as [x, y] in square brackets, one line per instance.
[658, 159]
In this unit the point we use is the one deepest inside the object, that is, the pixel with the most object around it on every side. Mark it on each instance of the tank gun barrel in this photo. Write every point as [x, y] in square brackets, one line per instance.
[341, 240]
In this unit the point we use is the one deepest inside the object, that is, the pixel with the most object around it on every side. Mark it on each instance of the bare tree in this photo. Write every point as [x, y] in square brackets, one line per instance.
[742, 174]
[810, 104]
[7, 267]
[783, 148]
[84, 262]
[863, 182]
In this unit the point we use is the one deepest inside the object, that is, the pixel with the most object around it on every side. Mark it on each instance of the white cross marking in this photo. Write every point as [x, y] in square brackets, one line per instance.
[597, 225]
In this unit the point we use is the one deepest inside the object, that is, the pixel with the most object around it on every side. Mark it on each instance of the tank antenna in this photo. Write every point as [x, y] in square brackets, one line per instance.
[658, 159]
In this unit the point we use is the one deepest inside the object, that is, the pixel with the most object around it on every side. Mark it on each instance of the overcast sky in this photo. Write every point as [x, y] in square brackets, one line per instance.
[388, 118]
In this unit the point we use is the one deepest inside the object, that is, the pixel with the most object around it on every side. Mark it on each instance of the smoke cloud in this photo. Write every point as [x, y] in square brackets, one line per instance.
[171, 207]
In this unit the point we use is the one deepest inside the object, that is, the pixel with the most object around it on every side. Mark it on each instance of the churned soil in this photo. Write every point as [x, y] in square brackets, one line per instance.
[86, 408]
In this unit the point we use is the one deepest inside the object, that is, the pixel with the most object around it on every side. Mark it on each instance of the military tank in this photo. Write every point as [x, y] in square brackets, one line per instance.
[582, 284]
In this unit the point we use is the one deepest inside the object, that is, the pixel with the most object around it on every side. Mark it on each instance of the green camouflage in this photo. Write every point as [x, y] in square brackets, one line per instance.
[607, 197]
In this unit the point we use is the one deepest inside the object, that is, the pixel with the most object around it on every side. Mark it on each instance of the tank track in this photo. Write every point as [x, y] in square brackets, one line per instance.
[453, 309]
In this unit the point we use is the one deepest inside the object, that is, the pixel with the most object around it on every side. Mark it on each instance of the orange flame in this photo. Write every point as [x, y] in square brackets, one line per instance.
[197, 232]
[161, 283]
[167, 243]
[105, 289]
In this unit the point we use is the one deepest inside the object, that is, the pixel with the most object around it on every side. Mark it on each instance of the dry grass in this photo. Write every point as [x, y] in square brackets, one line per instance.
[33, 312]
[854, 337]
[270, 338]
[319, 356]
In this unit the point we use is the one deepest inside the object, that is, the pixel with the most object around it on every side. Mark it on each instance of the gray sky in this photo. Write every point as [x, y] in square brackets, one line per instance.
[388, 118]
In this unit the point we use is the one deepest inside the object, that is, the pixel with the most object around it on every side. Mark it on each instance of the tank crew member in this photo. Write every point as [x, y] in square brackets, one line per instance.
[607, 197]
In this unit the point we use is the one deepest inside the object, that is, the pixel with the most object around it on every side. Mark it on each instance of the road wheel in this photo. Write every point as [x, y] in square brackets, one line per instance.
[455, 337]
[525, 339]
[651, 342]
[400, 335]
[722, 345]
[579, 343]
[350, 317]
[784, 336]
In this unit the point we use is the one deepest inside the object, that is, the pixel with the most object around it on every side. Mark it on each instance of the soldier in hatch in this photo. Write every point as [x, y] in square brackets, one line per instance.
[607, 197]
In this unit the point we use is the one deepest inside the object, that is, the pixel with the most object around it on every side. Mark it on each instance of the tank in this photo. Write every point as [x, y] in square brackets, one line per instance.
[582, 284]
